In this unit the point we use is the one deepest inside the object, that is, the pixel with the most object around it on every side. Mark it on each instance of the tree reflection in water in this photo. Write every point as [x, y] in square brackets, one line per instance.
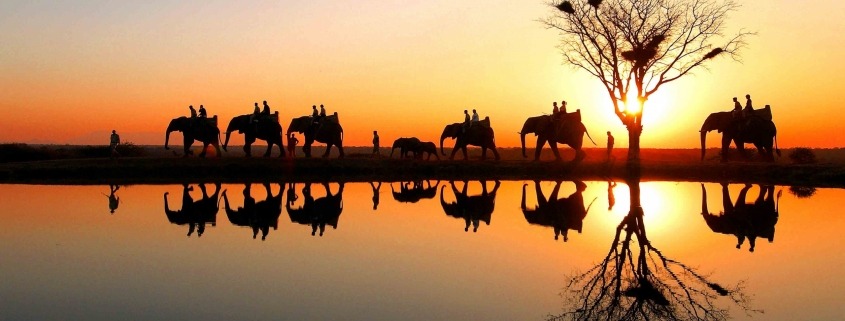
[636, 281]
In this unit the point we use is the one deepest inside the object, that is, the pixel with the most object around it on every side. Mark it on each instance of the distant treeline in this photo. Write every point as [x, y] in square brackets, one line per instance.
[24, 152]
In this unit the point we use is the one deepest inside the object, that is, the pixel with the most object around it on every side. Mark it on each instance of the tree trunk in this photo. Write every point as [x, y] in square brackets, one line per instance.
[634, 133]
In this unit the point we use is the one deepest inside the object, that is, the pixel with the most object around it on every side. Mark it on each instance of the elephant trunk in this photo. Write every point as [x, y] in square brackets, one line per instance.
[522, 203]
[229, 210]
[522, 140]
[704, 210]
[226, 143]
[442, 138]
[703, 138]
[167, 138]
[442, 201]
[167, 206]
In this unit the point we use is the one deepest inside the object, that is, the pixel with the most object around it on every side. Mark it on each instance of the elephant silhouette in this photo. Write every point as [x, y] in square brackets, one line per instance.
[326, 130]
[741, 219]
[479, 134]
[472, 209]
[195, 214]
[565, 128]
[412, 192]
[405, 145]
[318, 212]
[201, 129]
[561, 214]
[427, 148]
[757, 129]
[267, 128]
[260, 216]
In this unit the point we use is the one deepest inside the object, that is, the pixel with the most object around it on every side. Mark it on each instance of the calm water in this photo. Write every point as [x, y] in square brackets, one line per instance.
[473, 256]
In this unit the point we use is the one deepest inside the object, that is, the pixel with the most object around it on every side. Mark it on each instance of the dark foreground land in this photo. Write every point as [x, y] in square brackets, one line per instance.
[157, 167]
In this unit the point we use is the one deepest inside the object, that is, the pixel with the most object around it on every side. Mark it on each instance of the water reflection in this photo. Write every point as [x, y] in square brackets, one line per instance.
[472, 209]
[114, 200]
[561, 214]
[195, 214]
[741, 219]
[636, 281]
[260, 216]
[611, 199]
[376, 190]
[412, 192]
[317, 212]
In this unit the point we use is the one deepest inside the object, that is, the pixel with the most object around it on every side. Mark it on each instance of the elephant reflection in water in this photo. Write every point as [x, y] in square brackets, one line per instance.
[562, 214]
[636, 281]
[196, 214]
[317, 212]
[114, 200]
[744, 220]
[472, 209]
[412, 192]
[260, 216]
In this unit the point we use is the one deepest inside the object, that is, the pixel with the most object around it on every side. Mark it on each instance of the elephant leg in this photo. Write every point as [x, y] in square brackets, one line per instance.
[483, 152]
[204, 148]
[306, 149]
[464, 151]
[216, 145]
[495, 152]
[248, 146]
[454, 150]
[187, 142]
[540, 143]
[726, 144]
[328, 150]
[555, 150]
[579, 155]
[339, 149]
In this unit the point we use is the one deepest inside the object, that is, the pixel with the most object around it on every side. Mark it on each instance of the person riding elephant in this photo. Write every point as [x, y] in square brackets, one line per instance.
[327, 130]
[742, 219]
[318, 212]
[561, 214]
[195, 214]
[566, 128]
[472, 209]
[480, 135]
[202, 129]
[266, 128]
[260, 216]
[406, 145]
[757, 129]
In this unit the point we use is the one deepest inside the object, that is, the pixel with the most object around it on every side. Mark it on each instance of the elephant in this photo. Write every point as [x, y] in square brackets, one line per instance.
[567, 129]
[472, 209]
[744, 220]
[317, 213]
[412, 192]
[195, 213]
[562, 214]
[479, 134]
[201, 129]
[427, 148]
[260, 216]
[758, 129]
[325, 130]
[406, 145]
[266, 128]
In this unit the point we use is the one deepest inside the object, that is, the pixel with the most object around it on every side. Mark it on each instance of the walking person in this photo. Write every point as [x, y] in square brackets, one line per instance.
[292, 141]
[376, 151]
[114, 140]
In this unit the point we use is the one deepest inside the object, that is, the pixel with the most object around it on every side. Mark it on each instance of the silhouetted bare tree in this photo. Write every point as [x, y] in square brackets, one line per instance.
[636, 281]
[644, 43]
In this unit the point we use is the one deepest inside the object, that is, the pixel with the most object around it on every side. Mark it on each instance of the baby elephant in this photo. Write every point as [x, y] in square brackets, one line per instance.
[406, 145]
[427, 147]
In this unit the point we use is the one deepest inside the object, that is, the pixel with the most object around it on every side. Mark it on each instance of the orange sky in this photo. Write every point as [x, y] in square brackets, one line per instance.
[71, 72]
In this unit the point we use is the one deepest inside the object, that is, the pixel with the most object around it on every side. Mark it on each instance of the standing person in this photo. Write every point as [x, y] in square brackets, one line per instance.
[193, 111]
[292, 141]
[376, 151]
[114, 140]
[610, 141]
[266, 110]
[202, 113]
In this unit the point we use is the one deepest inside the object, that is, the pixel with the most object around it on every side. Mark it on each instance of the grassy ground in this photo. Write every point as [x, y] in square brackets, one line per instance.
[153, 164]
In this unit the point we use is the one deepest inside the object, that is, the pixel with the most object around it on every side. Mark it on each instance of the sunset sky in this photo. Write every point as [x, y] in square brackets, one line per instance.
[71, 71]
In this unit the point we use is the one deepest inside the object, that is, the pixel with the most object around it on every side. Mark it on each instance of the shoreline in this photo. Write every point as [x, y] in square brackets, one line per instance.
[170, 170]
